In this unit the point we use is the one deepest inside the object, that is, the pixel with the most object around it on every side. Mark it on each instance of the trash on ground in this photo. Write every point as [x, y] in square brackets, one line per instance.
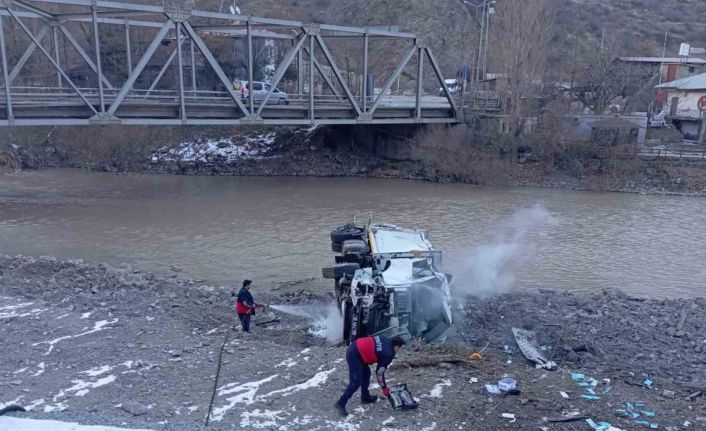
[509, 416]
[476, 356]
[564, 395]
[600, 426]
[527, 342]
[474, 380]
[570, 417]
[638, 412]
[648, 383]
[493, 389]
[507, 384]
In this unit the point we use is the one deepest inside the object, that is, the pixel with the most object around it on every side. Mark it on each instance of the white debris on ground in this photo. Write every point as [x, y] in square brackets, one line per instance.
[438, 388]
[13, 424]
[233, 148]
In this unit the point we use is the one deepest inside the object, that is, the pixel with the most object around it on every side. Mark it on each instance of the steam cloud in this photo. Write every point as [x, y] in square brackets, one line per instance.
[490, 269]
[326, 322]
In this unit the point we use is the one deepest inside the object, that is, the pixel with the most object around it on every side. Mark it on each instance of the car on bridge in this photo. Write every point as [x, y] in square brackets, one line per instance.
[453, 85]
[260, 90]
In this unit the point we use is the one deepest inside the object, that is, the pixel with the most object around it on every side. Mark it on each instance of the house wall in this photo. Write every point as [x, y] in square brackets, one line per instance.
[687, 99]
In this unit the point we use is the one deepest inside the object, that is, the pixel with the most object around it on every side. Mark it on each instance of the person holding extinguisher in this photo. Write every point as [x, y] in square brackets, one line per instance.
[245, 305]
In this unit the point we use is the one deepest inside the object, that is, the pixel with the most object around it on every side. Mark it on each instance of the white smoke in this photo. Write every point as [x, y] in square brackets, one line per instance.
[490, 269]
[326, 322]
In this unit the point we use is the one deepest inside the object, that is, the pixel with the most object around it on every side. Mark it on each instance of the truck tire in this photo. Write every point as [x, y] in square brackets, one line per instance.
[339, 270]
[351, 246]
[345, 232]
[336, 247]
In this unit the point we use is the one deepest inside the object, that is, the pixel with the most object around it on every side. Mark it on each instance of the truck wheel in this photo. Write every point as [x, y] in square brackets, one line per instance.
[353, 246]
[336, 247]
[339, 270]
[345, 232]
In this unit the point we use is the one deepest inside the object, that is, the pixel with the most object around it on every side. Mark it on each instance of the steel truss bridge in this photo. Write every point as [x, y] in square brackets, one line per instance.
[191, 33]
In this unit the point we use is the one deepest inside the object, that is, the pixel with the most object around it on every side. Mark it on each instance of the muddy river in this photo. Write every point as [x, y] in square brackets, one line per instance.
[224, 229]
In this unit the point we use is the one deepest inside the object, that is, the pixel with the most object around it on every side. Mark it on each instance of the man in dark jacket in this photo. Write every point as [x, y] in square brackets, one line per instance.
[362, 353]
[245, 305]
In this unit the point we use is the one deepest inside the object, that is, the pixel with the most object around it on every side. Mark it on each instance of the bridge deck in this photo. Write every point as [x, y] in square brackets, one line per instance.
[173, 38]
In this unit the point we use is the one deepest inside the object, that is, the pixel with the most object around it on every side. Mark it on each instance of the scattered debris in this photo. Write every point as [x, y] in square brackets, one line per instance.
[509, 416]
[401, 398]
[637, 412]
[527, 342]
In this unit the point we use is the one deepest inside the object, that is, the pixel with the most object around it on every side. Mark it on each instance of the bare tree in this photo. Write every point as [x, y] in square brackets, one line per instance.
[521, 32]
[600, 78]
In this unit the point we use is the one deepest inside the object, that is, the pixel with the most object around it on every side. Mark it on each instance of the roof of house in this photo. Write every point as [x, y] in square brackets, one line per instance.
[696, 82]
[668, 60]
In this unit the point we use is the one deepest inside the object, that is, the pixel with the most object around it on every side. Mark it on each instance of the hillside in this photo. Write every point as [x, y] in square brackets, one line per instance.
[634, 27]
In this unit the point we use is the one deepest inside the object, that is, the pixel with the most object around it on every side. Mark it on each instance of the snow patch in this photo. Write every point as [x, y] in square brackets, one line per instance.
[9, 311]
[85, 315]
[13, 424]
[230, 149]
[245, 393]
[289, 363]
[98, 326]
[97, 371]
[318, 379]
[40, 370]
[438, 388]
[82, 387]
[260, 419]
[9, 403]
[20, 371]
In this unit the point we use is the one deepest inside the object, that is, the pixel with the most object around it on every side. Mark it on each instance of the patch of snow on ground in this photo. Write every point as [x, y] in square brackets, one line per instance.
[260, 419]
[82, 387]
[40, 370]
[201, 150]
[318, 379]
[438, 388]
[98, 326]
[9, 311]
[431, 427]
[289, 363]
[33, 404]
[245, 394]
[21, 370]
[97, 371]
[85, 315]
[14, 424]
[9, 403]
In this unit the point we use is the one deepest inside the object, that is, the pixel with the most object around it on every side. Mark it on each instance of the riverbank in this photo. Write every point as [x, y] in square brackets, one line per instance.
[119, 346]
[318, 152]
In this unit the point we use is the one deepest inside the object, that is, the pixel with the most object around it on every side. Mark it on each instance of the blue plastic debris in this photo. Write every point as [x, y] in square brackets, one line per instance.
[600, 426]
[577, 376]
[590, 397]
[607, 390]
[648, 383]
[636, 412]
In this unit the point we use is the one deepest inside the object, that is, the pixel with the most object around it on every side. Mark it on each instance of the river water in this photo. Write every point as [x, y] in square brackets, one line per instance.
[224, 229]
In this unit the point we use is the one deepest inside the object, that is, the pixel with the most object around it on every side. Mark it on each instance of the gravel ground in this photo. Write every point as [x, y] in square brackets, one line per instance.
[117, 346]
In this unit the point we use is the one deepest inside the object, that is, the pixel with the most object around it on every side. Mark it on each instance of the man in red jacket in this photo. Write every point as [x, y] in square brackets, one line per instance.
[245, 305]
[362, 353]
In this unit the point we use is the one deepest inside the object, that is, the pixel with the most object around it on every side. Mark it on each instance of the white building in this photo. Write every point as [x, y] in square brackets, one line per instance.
[685, 101]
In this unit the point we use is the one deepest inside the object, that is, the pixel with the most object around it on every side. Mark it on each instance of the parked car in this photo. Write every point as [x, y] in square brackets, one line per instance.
[260, 90]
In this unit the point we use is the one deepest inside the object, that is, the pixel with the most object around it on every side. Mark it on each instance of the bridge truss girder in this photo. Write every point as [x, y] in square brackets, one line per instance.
[69, 104]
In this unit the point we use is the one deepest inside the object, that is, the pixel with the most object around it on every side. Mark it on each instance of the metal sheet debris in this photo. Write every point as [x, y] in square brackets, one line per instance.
[527, 342]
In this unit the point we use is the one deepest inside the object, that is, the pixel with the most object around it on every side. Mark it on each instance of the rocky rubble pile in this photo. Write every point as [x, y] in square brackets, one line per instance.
[607, 331]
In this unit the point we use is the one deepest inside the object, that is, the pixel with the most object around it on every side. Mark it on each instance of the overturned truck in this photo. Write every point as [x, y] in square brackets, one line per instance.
[388, 280]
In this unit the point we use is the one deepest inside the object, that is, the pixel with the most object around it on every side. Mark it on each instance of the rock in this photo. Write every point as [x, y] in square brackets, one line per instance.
[671, 331]
[445, 365]
[134, 408]
[668, 394]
